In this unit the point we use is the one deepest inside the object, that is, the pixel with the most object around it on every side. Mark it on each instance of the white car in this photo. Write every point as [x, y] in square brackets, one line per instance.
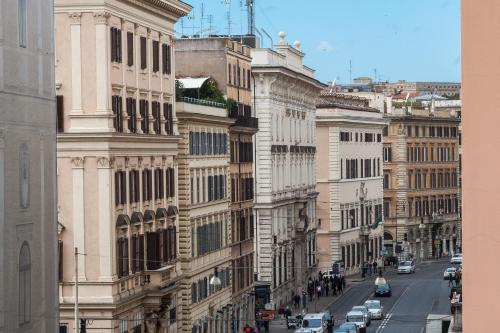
[313, 323]
[358, 318]
[449, 272]
[365, 311]
[375, 308]
[406, 267]
[456, 259]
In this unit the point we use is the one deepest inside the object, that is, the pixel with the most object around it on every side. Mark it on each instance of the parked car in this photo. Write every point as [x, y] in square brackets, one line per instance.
[358, 318]
[313, 323]
[449, 272]
[375, 308]
[456, 259]
[347, 328]
[406, 267]
[365, 311]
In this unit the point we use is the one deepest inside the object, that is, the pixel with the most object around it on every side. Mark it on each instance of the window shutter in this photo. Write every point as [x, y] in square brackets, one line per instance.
[61, 261]
[141, 252]
[130, 48]
[169, 60]
[119, 257]
[173, 242]
[117, 188]
[134, 253]
[123, 188]
[118, 45]
[143, 53]
[156, 56]
[166, 245]
[113, 44]
[60, 113]
[172, 182]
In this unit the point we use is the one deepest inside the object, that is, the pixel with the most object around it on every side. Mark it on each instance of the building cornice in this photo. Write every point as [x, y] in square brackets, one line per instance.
[266, 69]
[202, 118]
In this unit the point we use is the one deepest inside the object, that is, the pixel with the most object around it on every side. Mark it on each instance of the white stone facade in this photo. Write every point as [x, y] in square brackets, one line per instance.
[28, 217]
[350, 182]
[285, 196]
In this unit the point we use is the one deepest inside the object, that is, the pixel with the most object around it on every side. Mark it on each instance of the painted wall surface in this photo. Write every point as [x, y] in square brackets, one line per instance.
[480, 138]
[28, 238]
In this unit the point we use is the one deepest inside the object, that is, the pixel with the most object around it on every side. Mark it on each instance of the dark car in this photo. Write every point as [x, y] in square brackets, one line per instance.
[383, 289]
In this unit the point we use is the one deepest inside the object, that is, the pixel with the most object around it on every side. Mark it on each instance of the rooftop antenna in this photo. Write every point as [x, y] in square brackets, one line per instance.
[210, 23]
[202, 18]
[261, 37]
[192, 18]
[375, 75]
[350, 71]
[228, 15]
[251, 16]
[333, 85]
[269, 36]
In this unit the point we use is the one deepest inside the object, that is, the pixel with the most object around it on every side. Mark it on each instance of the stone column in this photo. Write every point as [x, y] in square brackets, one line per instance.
[79, 213]
[102, 60]
[106, 225]
[76, 63]
[2, 222]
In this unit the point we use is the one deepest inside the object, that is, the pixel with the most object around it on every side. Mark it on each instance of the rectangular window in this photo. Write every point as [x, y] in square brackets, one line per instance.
[159, 184]
[155, 106]
[133, 186]
[60, 113]
[248, 79]
[387, 154]
[147, 187]
[132, 116]
[22, 22]
[169, 118]
[144, 59]
[170, 177]
[379, 137]
[120, 189]
[156, 56]
[368, 137]
[166, 59]
[130, 48]
[117, 113]
[386, 181]
[116, 45]
[229, 73]
[144, 110]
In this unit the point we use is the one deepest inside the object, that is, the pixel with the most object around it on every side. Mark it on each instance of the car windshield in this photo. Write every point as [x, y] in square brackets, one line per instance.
[451, 269]
[383, 287]
[406, 263]
[359, 308]
[372, 305]
[312, 323]
[355, 318]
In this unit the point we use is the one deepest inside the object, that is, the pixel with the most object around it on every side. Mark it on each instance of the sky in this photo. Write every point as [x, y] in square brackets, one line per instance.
[414, 40]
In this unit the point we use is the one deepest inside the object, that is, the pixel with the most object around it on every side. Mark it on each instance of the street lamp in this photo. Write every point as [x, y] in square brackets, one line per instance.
[421, 227]
[403, 203]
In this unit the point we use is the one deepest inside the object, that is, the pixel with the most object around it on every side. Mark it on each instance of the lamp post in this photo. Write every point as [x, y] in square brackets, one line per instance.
[421, 227]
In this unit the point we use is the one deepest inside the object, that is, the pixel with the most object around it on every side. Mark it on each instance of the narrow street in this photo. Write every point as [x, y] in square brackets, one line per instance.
[413, 298]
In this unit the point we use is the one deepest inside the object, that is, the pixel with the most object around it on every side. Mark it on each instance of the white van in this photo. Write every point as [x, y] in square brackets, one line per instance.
[358, 318]
[314, 323]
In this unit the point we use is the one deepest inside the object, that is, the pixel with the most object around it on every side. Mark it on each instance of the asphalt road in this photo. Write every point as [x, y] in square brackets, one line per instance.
[414, 296]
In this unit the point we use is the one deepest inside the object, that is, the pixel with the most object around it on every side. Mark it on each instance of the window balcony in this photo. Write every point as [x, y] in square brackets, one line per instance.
[243, 115]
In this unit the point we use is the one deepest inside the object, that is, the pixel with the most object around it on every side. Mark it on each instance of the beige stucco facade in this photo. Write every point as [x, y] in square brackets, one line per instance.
[117, 148]
[28, 216]
[214, 57]
[421, 182]
[349, 205]
[204, 218]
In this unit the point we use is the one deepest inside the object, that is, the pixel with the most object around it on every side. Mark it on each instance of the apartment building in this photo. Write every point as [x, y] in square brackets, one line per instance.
[349, 173]
[228, 63]
[117, 164]
[285, 95]
[421, 182]
[28, 216]
[205, 217]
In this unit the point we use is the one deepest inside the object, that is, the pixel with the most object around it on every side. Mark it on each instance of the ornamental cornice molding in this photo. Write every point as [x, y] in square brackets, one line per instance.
[77, 162]
[105, 162]
[75, 18]
[101, 17]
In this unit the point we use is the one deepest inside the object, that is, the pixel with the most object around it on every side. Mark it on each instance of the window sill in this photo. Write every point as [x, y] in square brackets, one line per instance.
[116, 65]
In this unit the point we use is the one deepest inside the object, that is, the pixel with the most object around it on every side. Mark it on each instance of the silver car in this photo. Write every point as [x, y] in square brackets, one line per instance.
[366, 313]
[375, 308]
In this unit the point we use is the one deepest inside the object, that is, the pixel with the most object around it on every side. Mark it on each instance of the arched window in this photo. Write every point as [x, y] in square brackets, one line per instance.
[24, 284]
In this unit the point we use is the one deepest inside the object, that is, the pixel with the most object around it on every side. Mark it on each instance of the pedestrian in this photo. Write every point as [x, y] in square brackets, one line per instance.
[326, 289]
[339, 286]
[318, 290]
[288, 313]
[310, 291]
[450, 279]
[375, 266]
[304, 299]
[296, 300]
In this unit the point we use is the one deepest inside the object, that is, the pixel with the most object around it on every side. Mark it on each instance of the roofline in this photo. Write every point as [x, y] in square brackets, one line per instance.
[311, 80]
